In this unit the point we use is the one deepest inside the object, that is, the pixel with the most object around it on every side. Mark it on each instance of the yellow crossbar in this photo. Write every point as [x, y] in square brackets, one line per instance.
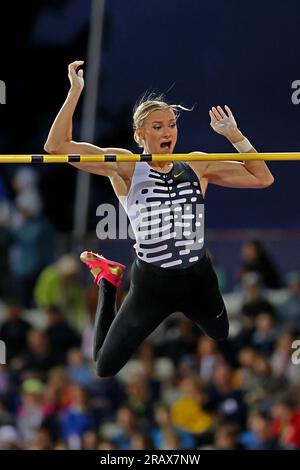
[187, 157]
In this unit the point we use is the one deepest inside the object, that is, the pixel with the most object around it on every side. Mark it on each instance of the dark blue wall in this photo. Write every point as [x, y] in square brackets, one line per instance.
[240, 53]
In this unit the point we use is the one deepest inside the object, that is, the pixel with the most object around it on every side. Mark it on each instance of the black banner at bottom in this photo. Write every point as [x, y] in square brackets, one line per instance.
[135, 459]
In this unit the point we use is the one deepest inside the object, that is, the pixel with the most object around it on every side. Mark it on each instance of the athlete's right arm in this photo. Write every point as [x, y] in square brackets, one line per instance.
[60, 141]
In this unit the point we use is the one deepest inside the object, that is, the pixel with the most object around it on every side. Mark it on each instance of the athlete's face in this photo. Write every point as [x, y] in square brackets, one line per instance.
[159, 132]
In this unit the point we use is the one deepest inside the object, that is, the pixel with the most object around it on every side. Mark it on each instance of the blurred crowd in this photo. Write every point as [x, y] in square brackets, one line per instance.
[181, 390]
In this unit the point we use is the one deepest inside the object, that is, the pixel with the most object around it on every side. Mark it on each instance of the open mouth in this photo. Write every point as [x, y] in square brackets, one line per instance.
[166, 145]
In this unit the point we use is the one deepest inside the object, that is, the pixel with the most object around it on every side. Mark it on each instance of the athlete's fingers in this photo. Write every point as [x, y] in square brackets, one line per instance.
[228, 110]
[212, 116]
[74, 65]
[221, 111]
[216, 113]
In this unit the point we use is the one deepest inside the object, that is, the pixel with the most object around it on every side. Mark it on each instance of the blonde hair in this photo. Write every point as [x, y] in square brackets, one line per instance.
[146, 105]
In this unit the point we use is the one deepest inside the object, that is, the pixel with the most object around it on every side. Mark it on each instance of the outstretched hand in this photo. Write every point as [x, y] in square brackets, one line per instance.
[76, 78]
[222, 122]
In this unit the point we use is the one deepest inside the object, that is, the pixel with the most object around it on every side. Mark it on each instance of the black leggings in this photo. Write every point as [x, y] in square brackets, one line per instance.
[154, 294]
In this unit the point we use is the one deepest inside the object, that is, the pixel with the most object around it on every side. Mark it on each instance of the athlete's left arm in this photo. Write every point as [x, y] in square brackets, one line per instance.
[250, 174]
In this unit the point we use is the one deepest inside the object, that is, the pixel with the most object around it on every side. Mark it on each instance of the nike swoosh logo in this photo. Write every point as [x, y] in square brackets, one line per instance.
[220, 314]
[178, 174]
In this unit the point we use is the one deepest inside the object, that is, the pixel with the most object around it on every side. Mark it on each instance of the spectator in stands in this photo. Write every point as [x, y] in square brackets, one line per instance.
[25, 183]
[264, 335]
[38, 357]
[32, 244]
[139, 395]
[79, 370]
[30, 413]
[14, 329]
[260, 435]
[163, 424]
[286, 424]
[43, 439]
[141, 442]
[226, 438]
[187, 412]
[6, 417]
[255, 301]
[9, 438]
[61, 445]
[246, 374]
[289, 310]
[9, 393]
[180, 338]
[207, 355]
[31, 247]
[256, 259]
[265, 387]
[106, 444]
[172, 440]
[60, 334]
[91, 294]
[90, 440]
[128, 428]
[57, 397]
[76, 420]
[59, 285]
[224, 398]
[281, 360]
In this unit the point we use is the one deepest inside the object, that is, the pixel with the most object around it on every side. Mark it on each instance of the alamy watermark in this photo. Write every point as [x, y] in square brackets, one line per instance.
[152, 222]
[296, 354]
[296, 94]
[2, 352]
[2, 92]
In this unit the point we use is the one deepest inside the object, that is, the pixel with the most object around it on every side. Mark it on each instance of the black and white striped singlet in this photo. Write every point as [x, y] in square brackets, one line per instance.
[166, 212]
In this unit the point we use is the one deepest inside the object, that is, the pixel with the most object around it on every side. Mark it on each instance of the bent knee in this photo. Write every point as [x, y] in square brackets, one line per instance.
[218, 329]
[218, 335]
[221, 336]
[105, 368]
[221, 332]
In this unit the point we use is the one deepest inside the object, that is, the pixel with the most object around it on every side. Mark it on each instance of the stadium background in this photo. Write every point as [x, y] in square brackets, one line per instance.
[243, 54]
